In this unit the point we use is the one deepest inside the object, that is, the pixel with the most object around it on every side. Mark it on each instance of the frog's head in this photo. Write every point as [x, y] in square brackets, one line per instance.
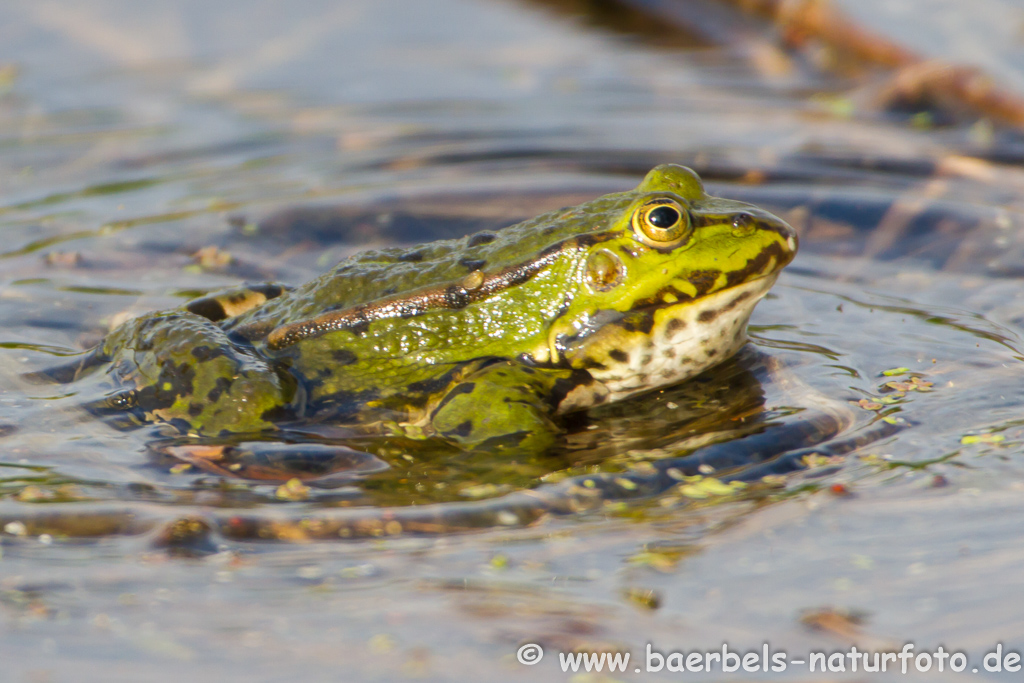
[664, 291]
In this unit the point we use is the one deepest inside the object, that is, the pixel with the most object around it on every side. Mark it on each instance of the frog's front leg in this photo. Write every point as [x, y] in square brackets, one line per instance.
[504, 405]
[185, 370]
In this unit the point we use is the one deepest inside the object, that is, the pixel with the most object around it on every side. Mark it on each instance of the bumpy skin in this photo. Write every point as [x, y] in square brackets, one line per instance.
[480, 341]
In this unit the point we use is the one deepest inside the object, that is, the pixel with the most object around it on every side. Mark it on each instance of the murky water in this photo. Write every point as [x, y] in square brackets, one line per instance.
[151, 154]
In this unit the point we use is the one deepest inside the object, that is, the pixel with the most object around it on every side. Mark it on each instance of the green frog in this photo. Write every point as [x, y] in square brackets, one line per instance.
[481, 342]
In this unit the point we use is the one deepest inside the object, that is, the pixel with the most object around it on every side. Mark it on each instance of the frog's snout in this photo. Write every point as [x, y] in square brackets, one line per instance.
[769, 222]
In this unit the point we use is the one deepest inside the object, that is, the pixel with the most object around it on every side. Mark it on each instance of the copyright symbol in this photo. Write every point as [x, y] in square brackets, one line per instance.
[530, 654]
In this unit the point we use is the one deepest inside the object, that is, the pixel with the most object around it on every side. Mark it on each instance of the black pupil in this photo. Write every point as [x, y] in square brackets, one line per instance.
[663, 217]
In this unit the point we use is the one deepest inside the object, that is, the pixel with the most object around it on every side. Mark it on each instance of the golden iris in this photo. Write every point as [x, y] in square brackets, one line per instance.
[661, 221]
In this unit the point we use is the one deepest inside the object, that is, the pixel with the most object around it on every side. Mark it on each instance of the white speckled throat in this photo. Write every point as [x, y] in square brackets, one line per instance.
[686, 339]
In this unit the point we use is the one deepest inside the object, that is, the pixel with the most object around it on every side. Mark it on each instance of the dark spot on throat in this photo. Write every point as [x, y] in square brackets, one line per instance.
[708, 316]
[674, 325]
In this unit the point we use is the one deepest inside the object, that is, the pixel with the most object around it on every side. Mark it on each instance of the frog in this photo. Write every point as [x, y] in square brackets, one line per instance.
[484, 343]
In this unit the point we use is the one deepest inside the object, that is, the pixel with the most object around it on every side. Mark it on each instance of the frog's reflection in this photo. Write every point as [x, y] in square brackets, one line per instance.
[718, 406]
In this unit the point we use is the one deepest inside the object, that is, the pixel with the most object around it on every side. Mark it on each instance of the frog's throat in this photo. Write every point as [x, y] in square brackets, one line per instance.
[684, 340]
[472, 288]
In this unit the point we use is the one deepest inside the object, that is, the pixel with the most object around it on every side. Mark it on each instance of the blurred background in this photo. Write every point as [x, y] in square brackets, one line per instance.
[153, 152]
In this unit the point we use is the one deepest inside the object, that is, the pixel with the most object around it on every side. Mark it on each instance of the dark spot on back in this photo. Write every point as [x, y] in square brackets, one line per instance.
[181, 424]
[271, 291]
[432, 386]
[208, 308]
[277, 414]
[411, 257]
[220, 386]
[205, 353]
[464, 429]
[481, 238]
[463, 388]
[472, 264]
[340, 405]
[344, 356]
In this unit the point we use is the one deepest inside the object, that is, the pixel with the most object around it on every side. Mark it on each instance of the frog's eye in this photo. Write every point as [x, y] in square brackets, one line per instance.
[661, 221]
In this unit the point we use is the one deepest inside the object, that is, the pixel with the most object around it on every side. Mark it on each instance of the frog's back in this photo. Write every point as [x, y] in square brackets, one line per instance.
[390, 273]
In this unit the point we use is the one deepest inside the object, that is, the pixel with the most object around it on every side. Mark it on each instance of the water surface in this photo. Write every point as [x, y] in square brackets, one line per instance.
[138, 139]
